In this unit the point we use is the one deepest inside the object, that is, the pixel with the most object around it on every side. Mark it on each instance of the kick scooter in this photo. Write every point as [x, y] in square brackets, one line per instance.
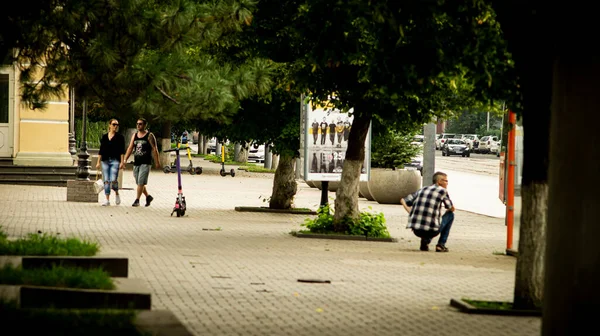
[190, 168]
[179, 207]
[222, 171]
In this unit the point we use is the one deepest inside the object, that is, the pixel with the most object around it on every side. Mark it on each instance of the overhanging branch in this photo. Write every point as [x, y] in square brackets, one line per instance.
[166, 95]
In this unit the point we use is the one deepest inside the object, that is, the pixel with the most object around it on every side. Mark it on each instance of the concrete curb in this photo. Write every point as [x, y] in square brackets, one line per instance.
[265, 209]
[470, 309]
[129, 294]
[343, 237]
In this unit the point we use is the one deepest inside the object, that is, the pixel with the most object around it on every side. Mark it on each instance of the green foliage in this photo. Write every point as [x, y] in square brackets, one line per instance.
[391, 149]
[257, 169]
[143, 57]
[48, 245]
[57, 276]
[3, 235]
[89, 322]
[94, 132]
[369, 224]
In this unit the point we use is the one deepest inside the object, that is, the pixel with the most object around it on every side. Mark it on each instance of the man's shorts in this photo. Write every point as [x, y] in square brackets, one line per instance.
[141, 173]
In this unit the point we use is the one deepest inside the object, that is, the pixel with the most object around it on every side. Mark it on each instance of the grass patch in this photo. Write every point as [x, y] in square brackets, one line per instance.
[217, 159]
[47, 245]
[88, 322]
[368, 224]
[497, 305]
[199, 155]
[257, 169]
[67, 277]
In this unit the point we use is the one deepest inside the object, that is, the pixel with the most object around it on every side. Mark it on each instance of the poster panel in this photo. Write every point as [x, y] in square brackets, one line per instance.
[325, 134]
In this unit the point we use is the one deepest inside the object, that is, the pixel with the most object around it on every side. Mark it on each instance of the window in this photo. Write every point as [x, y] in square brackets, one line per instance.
[4, 99]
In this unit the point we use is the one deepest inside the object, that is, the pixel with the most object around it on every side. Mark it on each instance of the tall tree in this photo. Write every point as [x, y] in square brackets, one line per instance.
[391, 59]
[525, 26]
[148, 57]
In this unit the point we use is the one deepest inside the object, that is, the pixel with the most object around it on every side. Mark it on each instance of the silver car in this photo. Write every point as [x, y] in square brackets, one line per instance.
[456, 146]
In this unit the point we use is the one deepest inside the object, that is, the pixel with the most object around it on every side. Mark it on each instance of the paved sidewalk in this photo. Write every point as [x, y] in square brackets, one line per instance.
[242, 280]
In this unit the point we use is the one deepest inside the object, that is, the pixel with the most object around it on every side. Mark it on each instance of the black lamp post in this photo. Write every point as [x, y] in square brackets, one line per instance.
[83, 164]
[72, 141]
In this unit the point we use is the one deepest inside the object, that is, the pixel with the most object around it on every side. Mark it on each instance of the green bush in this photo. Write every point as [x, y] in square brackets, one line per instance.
[391, 149]
[369, 224]
[94, 132]
[46, 245]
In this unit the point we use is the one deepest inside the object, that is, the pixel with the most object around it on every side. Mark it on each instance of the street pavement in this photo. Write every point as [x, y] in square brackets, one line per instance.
[224, 272]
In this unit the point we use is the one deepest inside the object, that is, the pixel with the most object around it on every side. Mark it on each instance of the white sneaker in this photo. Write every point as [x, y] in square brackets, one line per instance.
[107, 203]
[118, 200]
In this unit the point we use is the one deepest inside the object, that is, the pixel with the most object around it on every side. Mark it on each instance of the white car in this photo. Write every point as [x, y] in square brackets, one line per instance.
[256, 153]
[469, 139]
[442, 139]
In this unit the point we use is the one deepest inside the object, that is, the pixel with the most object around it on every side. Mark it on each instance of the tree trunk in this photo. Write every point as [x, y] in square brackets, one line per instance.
[244, 153]
[274, 161]
[284, 184]
[525, 30]
[165, 158]
[537, 91]
[200, 144]
[346, 201]
[205, 145]
[571, 293]
[237, 147]
[529, 276]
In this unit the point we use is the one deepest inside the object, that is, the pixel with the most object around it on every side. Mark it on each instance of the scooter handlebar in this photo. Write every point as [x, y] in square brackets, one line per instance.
[175, 149]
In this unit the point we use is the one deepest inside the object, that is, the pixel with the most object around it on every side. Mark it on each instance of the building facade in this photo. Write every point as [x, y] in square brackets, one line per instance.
[32, 137]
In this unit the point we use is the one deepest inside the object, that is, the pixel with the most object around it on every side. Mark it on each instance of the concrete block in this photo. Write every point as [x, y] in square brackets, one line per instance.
[82, 191]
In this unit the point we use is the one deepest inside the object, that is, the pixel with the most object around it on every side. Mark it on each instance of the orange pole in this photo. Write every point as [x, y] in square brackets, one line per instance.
[510, 178]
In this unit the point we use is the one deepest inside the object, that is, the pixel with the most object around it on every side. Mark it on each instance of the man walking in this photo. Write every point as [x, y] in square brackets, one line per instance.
[143, 146]
[424, 208]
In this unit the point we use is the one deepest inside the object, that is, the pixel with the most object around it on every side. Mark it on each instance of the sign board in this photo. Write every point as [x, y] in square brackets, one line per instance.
[324, 133]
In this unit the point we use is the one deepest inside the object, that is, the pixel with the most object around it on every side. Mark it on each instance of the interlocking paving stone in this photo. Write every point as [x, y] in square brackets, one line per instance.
[242, 280]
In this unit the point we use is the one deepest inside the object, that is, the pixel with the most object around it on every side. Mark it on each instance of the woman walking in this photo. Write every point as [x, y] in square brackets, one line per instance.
[111, 154]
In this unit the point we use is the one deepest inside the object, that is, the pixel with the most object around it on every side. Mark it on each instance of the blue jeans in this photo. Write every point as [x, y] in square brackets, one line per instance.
[110, 173]
[444, 232]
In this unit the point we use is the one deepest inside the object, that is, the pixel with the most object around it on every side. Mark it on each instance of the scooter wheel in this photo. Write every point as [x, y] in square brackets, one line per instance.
[192, 172]
[166, 169]
[222, 172]
[232, 172]
[180, 213]
[190, 169]
[198, 170]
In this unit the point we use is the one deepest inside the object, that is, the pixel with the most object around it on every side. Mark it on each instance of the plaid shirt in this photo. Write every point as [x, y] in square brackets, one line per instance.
[426, 208]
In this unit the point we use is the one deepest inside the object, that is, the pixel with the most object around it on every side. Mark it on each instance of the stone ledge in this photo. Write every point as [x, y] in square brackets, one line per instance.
[129, 294]
[114, 266]
[266, 209]
[343, 237]
[465, 307]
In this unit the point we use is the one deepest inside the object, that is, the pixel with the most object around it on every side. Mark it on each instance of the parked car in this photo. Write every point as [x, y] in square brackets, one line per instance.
[212, 145]
[470, 139]
[416, 163]
[485, 144]
[442, 139]
[495, 147]
[256, 153]
[418, 140]
[455, 146]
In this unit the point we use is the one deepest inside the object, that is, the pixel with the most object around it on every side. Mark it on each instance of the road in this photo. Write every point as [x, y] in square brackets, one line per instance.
[473, 182]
